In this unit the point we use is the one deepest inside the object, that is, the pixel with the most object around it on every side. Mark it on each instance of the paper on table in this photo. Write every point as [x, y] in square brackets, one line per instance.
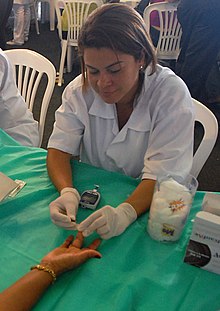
[211, 203]
[6, 186]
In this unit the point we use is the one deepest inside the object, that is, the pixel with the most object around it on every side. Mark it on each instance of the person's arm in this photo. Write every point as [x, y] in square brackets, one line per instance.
[109, 221]
[24, 293]
[63, 210]
[141, 197]
[59, 168]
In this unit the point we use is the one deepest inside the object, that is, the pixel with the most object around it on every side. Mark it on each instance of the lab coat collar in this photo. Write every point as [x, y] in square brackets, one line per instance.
[138, 121]
[101, 109]
[106, 111]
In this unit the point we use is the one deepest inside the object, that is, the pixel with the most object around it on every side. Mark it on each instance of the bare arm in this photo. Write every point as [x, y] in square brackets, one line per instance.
[24, 293]
[141, 198]
[59, 168]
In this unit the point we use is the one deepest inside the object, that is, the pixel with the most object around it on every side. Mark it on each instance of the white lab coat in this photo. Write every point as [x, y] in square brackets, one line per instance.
[15, 118]
[156, 140]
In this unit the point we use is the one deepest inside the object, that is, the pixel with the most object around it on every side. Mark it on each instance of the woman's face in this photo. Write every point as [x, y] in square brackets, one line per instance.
[113, 75]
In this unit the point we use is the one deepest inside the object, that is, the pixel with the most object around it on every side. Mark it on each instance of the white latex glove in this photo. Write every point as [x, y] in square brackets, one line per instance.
[109, 221]
[63, 210]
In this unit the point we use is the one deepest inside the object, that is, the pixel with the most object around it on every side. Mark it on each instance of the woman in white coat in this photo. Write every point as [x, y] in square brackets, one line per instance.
[125, 113]
[22, 18]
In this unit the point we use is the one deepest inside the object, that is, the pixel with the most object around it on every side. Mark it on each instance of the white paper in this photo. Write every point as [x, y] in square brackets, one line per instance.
[6, 186]
[211, 203]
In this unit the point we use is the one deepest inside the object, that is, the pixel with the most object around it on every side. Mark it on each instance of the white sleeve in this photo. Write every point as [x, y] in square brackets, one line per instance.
[15, 117]
[170, 147]
[68, 128]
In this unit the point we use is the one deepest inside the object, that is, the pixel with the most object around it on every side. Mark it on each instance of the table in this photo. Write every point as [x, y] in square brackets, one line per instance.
[135, 273]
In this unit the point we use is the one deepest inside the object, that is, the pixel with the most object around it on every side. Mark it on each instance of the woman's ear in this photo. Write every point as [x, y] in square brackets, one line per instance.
[142, 62]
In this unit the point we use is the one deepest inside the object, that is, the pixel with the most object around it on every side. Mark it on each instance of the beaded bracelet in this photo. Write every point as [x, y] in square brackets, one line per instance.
[45, 269]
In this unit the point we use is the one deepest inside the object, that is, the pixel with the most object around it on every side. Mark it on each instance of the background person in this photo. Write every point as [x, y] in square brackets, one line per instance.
[5, 10]
[22, 18]
[66, 257]
[200, 45]
[125, 113]
[15, 117]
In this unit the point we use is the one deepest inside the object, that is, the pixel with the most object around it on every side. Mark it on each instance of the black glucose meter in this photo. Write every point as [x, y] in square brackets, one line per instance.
[90, 198]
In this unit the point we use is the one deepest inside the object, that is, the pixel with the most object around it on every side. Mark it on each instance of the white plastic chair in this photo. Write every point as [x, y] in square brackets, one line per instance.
[76, 12]
[168, 46]
[29, 69]
[210, 125]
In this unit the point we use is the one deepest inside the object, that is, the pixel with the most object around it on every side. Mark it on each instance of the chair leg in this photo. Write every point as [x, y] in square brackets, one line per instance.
[62, 60]
[52, 15]
[37, 27]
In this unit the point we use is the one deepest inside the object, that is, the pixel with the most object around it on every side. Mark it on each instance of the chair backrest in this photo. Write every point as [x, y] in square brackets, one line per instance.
[210, 125]
[73, 13]
[170, 32]
[29, 69]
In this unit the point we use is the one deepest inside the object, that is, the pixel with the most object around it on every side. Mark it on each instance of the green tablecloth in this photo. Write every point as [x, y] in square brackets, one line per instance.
[135, 273]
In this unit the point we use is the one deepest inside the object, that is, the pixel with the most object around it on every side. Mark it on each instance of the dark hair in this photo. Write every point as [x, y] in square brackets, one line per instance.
[120, 28]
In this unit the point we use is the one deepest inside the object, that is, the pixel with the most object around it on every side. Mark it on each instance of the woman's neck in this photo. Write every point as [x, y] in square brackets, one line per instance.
[123, 113]
[125, 107]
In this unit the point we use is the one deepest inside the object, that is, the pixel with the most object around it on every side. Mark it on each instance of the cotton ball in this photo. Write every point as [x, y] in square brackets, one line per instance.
[159, 209]
[158, 204]
[169, 210]
[177, 220]
[163, 231]
[155, 230]
[179, 207]
[164, 214]
[172, 185]
[187, 197]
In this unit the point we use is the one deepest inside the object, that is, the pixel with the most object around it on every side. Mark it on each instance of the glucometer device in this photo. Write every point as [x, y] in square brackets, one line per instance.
[90, 198]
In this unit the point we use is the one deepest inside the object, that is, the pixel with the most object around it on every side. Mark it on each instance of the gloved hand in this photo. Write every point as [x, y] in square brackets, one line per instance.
[109, 221]
[63, 210]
